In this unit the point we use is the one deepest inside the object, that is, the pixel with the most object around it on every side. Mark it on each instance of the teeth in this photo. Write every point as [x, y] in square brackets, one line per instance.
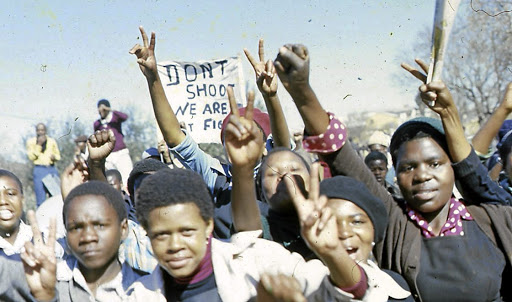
[6, 214]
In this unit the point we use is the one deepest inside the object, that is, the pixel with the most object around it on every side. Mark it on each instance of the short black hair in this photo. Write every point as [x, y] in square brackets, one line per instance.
[115, 173]
[375, 155]
[13, 176]
[143, 167]
[169, 187]
[98, 188]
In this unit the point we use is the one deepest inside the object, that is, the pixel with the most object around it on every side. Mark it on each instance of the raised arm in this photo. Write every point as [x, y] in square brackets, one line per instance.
[292, 66]
[243, 146]
[483, 138]
[267, 84]
[474, 183]
[100, 145]
[164, 114]
[439, 99]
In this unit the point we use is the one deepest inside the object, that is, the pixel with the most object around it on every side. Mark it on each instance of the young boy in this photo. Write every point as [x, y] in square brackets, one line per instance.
[95, 218]
[193, 266]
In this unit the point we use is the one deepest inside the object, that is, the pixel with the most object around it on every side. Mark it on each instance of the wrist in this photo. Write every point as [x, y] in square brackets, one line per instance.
[300, 90]
[44, 295]
[244, 169]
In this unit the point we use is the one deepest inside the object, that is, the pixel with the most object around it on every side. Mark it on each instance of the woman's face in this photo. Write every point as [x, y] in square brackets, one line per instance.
[275, 167]
[425, 175]
[355, 229]
[11, 205]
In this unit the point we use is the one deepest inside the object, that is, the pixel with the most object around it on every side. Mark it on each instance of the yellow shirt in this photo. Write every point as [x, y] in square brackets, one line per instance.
[38, 157]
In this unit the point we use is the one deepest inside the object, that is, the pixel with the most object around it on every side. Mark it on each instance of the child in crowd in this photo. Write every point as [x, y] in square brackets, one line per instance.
[195, 266]
[96, 223]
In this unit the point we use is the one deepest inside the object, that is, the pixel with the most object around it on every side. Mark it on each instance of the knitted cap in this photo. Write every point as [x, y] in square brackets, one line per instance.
[408, 130]
[350, 189]
[261, 118]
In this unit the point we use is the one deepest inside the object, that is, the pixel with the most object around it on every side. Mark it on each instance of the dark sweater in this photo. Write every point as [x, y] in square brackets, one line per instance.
[401, 248]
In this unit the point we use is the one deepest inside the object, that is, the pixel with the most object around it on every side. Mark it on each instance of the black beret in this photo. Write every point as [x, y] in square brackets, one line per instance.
[350, 189]
[405, 132]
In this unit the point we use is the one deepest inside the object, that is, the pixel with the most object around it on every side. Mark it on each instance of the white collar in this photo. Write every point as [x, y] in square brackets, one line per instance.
[24, 235]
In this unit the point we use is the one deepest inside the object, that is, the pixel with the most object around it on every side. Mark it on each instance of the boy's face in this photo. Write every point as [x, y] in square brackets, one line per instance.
[94, 232]
[114, 182]
[379, 170]
[179, 238]
[11, 204]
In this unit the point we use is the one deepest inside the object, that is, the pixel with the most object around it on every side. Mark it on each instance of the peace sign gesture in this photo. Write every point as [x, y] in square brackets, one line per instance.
[39, 261]
[242, 138]
[318, 225]
[146, 55]
[265, 72]
[435, 95]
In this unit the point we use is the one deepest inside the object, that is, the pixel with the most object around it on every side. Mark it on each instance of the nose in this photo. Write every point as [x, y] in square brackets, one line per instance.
[422, 173]
[344, 230]
[3, 197]
[89, 235]
[174, 243]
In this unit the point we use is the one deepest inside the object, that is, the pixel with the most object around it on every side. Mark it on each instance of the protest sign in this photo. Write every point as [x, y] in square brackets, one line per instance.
[197, 92]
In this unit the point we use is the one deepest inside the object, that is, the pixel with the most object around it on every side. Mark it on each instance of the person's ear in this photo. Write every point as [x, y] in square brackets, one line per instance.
[209, 228]
[124, 229]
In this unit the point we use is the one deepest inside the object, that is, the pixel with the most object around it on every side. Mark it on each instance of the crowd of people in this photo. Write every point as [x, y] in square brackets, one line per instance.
[300, 217]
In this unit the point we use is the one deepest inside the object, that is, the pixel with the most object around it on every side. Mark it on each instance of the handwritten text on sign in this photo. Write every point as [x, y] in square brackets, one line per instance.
[197, 92]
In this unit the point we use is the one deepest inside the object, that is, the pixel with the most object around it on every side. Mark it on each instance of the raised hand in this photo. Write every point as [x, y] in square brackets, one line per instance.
[101, 144]
[73, 175]
[279, 288]
[146, 55]
[265, 71]
[318, 225]
[292, 66]
[439, 99]
[506, 103]
[435, 95]
[39, 261]
[242, 137]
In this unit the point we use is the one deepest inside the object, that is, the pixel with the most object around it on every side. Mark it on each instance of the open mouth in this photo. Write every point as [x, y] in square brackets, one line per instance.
[6, 215]
[351, 251]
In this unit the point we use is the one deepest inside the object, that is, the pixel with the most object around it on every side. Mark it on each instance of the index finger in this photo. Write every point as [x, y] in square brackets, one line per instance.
[297, 197]
[314, 186]
[415, 72]
[249, 110]
[261, 50]
[52, 233]
[250, 58]
[36, 233]
[232, 102]
[144, 36]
